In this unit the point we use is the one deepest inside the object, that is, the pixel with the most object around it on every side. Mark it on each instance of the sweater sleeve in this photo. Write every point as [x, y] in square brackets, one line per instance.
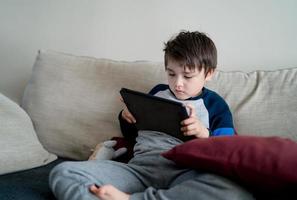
[221, 121]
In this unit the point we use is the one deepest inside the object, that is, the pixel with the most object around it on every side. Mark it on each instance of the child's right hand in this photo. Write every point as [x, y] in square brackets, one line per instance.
[126, 115]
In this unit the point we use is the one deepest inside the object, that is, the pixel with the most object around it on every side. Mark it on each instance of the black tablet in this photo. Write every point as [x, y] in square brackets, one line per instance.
[155, 113]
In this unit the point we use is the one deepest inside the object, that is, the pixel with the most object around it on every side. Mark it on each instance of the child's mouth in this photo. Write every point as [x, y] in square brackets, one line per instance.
[179, 91]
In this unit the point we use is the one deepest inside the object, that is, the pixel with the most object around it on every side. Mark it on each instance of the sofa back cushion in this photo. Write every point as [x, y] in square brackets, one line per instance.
[20, 147]
[263, 103]
[74, 100]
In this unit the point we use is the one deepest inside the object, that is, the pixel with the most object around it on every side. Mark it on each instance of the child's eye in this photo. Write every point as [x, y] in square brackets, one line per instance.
[171, 74]
[188, 77]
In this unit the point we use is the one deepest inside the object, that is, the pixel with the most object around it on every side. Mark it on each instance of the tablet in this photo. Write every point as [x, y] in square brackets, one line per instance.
[155, 113]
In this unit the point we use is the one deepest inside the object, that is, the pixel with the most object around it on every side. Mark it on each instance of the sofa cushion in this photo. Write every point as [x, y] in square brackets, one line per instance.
[260, 163]
[20, 147]
[31, 184]
[74, 100]
[263, 103]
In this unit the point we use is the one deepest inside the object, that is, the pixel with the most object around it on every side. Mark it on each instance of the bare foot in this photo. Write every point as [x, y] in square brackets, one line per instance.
[109, 192]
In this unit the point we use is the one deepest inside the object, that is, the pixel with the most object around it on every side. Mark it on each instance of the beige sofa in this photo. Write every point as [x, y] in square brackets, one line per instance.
[73, 102]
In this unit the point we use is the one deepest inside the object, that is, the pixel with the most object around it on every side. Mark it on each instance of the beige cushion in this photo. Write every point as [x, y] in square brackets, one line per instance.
[74, 101]
[263, 103]
[20, 148]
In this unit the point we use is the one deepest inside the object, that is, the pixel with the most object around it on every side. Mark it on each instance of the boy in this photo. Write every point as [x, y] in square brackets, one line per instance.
[190, 61]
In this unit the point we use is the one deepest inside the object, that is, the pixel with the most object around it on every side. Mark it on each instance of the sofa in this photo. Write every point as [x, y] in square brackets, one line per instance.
[71, 104]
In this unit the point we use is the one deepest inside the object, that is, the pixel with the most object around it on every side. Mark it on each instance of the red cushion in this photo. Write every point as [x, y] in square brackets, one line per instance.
[258, 162]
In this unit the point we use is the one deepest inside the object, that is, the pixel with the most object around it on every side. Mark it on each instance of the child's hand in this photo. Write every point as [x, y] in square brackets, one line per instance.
[193, 126]
[126, 115]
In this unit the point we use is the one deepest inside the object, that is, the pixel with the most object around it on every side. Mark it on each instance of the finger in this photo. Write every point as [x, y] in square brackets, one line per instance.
[131, 118]
[128, 116]
[127, 119]
[191, 132]
[191, 109]
[121, 99]
[190, 127]
[188, 121]
[94, 189]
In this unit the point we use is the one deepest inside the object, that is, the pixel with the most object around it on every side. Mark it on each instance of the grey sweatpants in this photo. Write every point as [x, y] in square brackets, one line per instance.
[147, 176]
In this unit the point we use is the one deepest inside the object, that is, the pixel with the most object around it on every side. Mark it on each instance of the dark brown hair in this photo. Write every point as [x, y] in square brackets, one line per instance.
[193, 50]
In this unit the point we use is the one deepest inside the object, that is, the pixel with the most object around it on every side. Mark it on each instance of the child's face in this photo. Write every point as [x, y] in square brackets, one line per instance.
[184, 82]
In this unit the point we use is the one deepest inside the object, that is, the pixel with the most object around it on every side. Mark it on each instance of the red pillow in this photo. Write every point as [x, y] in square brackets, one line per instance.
[259, 162]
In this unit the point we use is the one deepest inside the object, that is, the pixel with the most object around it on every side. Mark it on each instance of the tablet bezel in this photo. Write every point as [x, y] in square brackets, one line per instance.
[155, 113]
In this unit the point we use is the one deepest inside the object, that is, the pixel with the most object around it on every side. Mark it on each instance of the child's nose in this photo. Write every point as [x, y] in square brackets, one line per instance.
[179, 82]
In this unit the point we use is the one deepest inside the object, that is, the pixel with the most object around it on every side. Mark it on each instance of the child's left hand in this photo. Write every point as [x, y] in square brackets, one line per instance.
[193, 126]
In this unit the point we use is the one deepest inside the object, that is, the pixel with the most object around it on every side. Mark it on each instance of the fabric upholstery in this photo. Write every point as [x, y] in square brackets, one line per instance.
[74, 100]
[31, 184]
[260, 163]
[20, 147]
[263, 103]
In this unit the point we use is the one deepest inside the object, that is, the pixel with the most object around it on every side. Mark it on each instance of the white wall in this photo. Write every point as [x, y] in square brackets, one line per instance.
[254, 34]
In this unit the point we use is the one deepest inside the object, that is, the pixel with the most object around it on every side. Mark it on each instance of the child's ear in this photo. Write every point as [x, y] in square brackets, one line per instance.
[209, 75]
